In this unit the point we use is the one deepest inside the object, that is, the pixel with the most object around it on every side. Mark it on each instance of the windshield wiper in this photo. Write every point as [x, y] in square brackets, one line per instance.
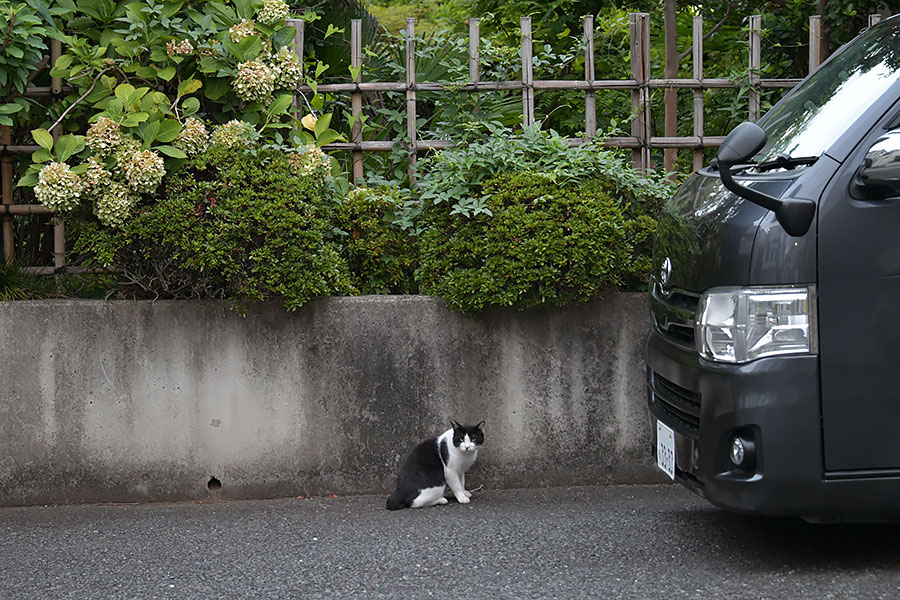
[783, 161]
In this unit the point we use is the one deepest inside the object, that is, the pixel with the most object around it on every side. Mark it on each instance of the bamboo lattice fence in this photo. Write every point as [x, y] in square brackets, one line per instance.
[641, 140]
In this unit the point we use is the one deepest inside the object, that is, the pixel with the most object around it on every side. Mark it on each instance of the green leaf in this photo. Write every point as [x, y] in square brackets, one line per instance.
[5, 120]
[189, 86]
[281, 104]
[322, 123]
[10, 109]
[190, 106]
[320, 68]
[250, 47]
[328, 136]
[244, 9]
[145, 72]
[148, 132]
[354, 72]
[43, 138]
[332, 30]
[208, 64]
[283, 37]
[115, 108]
[216, 88]
[171, 151]
[68, 145]
[28, 180]
[123, 90]
[41, 156]
[136, 95]
[167, 73]
[168, 131]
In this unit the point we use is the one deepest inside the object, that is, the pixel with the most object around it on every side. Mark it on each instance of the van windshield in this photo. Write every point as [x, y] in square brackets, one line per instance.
[818, 111]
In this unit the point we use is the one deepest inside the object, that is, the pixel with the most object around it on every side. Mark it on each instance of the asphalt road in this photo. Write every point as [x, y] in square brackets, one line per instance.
[598, 542]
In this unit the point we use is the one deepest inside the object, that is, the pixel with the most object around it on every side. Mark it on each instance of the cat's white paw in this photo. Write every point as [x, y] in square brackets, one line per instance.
[442, 500]
[462, 499]
[467, 493]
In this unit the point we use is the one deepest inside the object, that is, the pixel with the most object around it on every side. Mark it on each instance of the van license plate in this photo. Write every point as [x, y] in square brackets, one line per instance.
[665, 449]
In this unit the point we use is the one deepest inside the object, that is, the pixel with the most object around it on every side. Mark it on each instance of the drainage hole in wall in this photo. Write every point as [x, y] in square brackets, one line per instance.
[214, 484]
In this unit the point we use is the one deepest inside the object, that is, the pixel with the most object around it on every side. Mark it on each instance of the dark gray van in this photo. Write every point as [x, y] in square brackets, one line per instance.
[774, 358]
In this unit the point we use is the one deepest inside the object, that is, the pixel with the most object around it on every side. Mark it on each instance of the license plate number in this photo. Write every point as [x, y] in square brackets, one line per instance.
[665, 449]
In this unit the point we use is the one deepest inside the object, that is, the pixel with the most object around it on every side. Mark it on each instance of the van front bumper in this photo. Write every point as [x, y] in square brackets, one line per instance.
[772, 402]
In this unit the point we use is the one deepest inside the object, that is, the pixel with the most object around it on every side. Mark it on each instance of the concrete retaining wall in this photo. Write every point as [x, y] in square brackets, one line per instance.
[141, 401]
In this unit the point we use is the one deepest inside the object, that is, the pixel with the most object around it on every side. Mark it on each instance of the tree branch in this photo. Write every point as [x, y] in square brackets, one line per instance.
[728, 8]
[83, 96]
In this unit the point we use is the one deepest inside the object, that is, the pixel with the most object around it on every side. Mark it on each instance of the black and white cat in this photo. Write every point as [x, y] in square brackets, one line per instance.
[436, 464]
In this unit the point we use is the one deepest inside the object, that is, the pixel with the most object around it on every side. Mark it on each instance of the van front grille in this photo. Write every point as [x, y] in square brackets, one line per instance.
[674, 314]
[680, 405]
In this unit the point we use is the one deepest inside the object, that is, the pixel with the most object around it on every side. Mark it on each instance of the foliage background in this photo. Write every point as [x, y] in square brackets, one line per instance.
[389, 236]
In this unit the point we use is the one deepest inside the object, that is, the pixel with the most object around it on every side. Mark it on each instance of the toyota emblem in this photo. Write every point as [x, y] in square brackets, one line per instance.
[665, 272]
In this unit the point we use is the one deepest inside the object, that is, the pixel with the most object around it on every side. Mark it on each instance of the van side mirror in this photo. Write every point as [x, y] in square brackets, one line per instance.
[879, 174]
[794, 214]
[742, 143]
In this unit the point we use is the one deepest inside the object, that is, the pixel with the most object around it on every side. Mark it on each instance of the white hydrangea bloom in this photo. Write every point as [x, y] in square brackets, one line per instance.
[96, 179]
[113, 206]
[310, 162]
[193, 138]
[58, 189]
[144, 170]
[273, 12]
[254, 81]
[242, 30]
[182, 47]
[286, 69]
[104, 136]
[233, 133]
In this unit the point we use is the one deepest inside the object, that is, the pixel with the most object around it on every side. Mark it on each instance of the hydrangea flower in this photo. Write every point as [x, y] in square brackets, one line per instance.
[113, 206]
[286, 69]
[242, 30]
[97, 178]
[58, 188]
[273, 12]
[310, 162]
[234, 133]
[245, 29]
[193, 138]
[182, 47]
[144, 170]
[104, 136]
[254, 81]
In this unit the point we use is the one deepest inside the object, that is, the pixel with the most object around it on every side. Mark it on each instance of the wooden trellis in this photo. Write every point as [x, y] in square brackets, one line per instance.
[641, 140]
[641, 83]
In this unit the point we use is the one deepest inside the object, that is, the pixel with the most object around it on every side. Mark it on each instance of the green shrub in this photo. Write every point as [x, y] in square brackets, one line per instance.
[381, 256]
[538, 243]
[455, 176]
[231, 223]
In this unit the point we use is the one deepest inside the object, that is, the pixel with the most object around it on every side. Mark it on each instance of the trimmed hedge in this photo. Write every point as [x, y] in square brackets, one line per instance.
[380, 255]
[543, 244]
[230, 224]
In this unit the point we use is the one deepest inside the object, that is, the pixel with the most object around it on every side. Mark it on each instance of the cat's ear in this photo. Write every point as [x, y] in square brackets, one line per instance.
[455, 425]
[480, 426]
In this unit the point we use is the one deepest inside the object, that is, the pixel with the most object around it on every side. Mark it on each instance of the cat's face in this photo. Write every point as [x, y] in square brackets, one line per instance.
[468, 438]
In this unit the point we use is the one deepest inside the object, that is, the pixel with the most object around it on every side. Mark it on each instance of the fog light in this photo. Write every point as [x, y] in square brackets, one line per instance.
[737, 451]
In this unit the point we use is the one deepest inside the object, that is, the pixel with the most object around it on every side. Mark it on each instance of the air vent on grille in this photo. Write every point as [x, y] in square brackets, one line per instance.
[681, 405]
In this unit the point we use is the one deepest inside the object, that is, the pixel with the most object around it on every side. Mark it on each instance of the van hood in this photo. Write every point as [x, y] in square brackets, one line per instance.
[705, 234]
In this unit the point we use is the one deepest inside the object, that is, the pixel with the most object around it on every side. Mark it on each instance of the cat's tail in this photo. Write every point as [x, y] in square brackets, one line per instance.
[396, 501]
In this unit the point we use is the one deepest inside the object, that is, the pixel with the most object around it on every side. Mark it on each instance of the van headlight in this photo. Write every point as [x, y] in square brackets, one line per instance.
[738, 325]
